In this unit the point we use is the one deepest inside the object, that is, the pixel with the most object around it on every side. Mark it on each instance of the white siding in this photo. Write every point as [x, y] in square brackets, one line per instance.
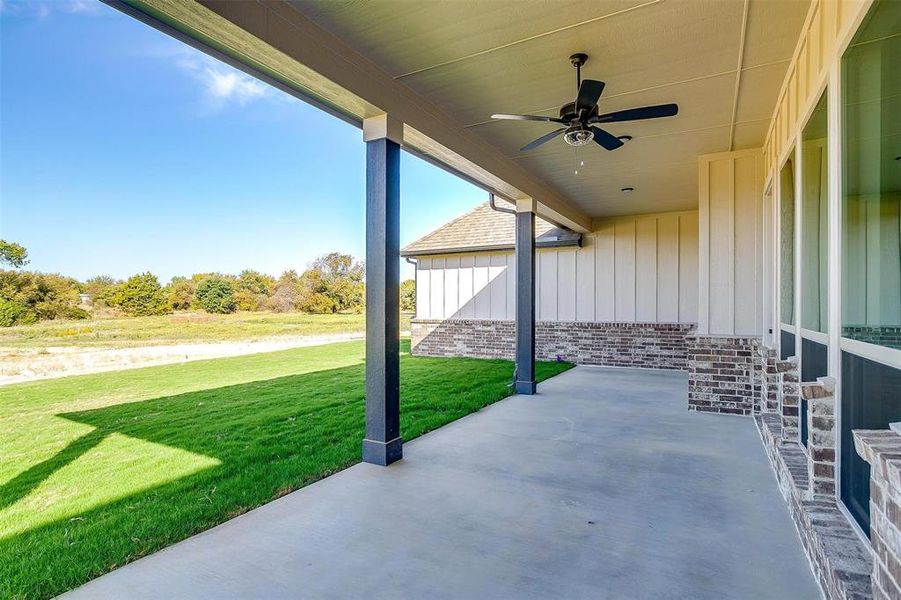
[624, 239]
[467, 308]
[482, 298]
[642, 268]
[585, 271]
[730, 244]
[688, 268]
[604, 283]
[436, 302]
[547, 290]
[423, 286]
[497, 276]
[566, 285]
[646, 269]
[668, 269]
[451, 286]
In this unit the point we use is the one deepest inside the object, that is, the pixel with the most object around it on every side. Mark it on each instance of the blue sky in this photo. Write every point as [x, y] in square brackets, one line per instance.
[123, 150]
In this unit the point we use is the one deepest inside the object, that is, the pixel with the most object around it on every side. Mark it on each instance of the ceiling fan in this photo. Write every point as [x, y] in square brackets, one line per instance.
[581, 117]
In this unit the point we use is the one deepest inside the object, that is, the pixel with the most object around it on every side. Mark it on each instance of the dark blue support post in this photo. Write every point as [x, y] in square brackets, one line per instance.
[383, 444]
[525, 302]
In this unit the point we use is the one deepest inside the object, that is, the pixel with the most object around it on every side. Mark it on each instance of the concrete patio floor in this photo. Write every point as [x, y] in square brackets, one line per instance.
[601, 486]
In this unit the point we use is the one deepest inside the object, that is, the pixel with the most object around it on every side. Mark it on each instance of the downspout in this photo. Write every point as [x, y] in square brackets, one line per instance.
[498, 208]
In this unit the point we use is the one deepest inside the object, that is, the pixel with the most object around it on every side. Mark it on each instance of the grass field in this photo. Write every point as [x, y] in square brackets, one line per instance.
[99, 470]
[179, 328]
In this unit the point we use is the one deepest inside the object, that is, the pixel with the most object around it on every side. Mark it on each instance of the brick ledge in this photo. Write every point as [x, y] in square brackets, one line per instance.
[841, 562]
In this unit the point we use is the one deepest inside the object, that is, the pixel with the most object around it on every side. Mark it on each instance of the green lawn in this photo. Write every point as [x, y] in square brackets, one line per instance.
[98, 470]
[179, 327]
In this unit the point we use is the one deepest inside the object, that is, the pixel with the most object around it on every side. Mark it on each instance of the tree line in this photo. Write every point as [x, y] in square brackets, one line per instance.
[333, 283]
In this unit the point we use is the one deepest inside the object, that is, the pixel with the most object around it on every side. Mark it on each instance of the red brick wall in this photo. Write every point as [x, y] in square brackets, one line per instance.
[723, 374]
[882, 449]
[647, 345]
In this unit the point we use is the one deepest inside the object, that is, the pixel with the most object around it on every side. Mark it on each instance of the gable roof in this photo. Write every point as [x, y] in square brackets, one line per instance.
[484, 229]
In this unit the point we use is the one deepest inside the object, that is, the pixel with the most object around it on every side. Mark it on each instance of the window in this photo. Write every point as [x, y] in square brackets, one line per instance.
[787, 241]
[871, 238]
[871, 213]
[814, 220]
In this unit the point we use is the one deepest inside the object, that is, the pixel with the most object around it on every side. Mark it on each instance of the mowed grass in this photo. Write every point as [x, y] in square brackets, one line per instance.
[180, 327]
[98, 470]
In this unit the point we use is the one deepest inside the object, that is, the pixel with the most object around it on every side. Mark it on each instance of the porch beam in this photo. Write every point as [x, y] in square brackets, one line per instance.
[382, 444]
[524, 382]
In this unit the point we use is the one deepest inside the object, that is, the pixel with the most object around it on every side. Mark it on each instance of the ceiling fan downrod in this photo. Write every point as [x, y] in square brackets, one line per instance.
[577, 61]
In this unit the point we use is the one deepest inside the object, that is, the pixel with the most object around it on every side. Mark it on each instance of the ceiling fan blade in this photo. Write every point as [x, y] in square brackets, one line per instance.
[527, 118]
[589, 93]
[605, 139]
[637, 114]
[545, 138]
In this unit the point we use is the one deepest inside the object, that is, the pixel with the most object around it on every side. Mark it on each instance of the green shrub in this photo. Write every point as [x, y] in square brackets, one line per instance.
[216, 295]
[29, 297]
[141, 295]
[408, 295]
[252, 289]
[100, 289]
[336, 276]
[181, 293]
[318, 303]
[15, 313]
[74, 312]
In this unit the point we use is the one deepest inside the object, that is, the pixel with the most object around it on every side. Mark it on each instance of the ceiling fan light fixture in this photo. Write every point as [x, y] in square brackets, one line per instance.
[578, 136]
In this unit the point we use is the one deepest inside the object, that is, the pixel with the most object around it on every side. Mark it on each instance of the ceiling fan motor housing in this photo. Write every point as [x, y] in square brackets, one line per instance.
[568, 112]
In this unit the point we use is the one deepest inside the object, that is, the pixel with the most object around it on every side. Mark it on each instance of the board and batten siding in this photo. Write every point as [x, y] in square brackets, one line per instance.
[630, 269]
[730, 216]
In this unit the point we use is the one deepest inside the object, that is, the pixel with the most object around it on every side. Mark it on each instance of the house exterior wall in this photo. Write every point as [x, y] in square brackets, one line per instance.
[630, 269]
[731, 242]
[644, 345]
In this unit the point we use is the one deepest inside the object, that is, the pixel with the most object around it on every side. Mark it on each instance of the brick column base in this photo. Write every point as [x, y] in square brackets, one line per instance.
[820, 397]
[882, 449]
[721, 374]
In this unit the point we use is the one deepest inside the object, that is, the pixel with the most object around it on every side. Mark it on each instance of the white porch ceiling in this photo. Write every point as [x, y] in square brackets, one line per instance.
[722, 61]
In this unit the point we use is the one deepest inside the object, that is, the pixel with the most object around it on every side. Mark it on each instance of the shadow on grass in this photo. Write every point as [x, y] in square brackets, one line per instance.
[271, 437]
[24, 483]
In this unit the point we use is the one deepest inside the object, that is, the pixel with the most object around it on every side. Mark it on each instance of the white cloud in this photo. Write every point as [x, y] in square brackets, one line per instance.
[42, 9]
[233, 85]
[222, 85]
[82, 6]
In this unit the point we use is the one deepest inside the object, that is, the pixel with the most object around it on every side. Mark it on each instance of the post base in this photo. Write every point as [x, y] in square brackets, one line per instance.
[527, 388]
[383, 453]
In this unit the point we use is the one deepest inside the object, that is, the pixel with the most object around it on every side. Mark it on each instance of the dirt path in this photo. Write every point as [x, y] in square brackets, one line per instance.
[17, 365]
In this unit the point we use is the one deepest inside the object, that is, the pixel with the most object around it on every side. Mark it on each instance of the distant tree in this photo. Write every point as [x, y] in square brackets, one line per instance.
[26, 298]
[289, 277]
[252, 289]
[333, 283]
[99, 288]
[216, 295]
[286, 294]
[140, 295]
[180, 292]
[408, 295]
[13, 255]
[15, 313]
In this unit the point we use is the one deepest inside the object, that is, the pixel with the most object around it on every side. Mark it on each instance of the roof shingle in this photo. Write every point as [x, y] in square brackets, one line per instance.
[483, 229]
